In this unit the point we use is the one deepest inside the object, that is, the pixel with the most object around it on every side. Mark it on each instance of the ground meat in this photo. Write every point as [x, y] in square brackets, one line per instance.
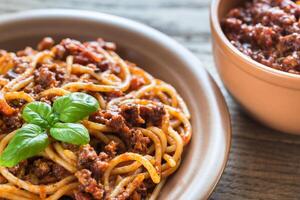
[82, 195]
[289, 43]
[99, 166]
[19, 170]
[87, 53]
[112, 119]
[46, 43]
[39, 171]
[45, 78]
[153, 114]
[88, 185]
[10, 123]
[88, 159]
[137, 115]
[103, 66]
[45, 171]
[268, 31]
[123, 195]
[71, 147]
[60, 52]
[86, 155]
[26, 52]
[111, 148]
[130, 115]
[48, 76]
[108, 96]
[46, 99]
[106, 45]
[58, 171]
[136, 82]
[133, 138]
[131, 112]
[142, 190]
[41, 168]
[18, 67]
[127, 116]
[2, 180]
[137, 141]
[146, 187]
[17, 103]
[83, 54]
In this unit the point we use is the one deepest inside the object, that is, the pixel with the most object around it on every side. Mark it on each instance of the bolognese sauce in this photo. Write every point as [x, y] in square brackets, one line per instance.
[268, 31]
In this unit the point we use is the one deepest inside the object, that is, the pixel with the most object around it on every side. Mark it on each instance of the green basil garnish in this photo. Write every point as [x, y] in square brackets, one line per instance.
[32, 138]
[70, 133]
[52, 119]
[38, 113]
[75, 106]
[27, 142]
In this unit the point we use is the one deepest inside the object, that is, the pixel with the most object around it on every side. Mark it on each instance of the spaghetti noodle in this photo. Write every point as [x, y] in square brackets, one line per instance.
[137, 135]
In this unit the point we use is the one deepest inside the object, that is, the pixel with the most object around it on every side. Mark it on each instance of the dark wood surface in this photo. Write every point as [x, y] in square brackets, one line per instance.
[263, 164]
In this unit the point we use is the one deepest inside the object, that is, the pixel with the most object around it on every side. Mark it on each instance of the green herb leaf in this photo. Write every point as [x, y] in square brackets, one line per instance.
[75, 106]
[70, 133]
[52, 119]
[28, 141]
[38, 113]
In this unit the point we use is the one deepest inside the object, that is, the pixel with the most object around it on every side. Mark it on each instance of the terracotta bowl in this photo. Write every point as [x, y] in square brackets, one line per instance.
[205, 157]
[270, 96]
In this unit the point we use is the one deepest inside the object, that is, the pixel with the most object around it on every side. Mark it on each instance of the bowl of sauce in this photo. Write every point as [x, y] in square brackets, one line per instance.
[256, 47]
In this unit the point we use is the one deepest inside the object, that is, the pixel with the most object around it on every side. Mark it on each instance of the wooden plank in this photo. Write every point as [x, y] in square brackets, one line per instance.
[171, 18]
[98, 4]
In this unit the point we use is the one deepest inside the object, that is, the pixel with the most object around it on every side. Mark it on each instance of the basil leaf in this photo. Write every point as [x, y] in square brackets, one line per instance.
[53, 119]
[70, 133]
[75, 106]
[37, 113]
[28, 141]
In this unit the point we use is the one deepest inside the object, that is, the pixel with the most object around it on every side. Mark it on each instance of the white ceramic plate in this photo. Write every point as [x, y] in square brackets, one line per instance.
[205, 157]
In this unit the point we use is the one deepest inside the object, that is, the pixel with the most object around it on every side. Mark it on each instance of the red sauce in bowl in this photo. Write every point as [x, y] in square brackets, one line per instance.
[268, 31]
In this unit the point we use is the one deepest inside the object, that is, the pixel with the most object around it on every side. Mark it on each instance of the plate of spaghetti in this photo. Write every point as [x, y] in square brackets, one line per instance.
[82, 117]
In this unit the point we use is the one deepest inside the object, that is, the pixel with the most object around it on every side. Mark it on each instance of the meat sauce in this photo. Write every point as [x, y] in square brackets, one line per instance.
[39, 170]
[268, 31]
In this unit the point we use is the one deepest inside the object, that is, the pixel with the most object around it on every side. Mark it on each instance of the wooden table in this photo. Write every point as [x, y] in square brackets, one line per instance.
[263, 164]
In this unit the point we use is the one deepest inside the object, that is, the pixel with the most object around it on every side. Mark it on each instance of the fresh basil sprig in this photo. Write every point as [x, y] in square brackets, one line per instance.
[59, 122]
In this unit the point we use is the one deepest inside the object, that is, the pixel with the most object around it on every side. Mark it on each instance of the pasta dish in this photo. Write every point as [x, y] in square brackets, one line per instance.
[79, 122]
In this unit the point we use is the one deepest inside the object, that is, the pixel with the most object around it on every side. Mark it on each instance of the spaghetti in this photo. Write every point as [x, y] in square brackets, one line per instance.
[137, 135]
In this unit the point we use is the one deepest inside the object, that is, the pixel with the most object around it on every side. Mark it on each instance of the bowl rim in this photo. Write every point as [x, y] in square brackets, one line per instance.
[263, 72]
[213, 92]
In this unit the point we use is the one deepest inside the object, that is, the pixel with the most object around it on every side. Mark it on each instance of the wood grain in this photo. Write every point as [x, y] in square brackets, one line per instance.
[263, 164]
